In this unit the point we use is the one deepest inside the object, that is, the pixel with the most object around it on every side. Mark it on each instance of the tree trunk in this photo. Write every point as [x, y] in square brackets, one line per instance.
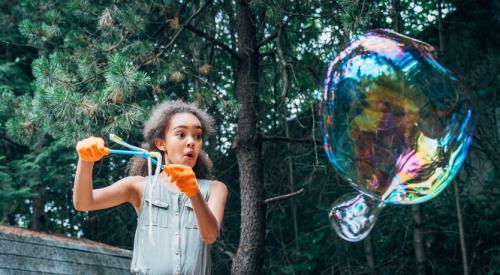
[458, 205]
[248, 147]
[397, 20]
[497, 119]
[418, 235]
[461, 231]
[440, 26]
[291, 183]
[370, 259]
[195, 51]
[38, 218]
[283, 109]
[38, 205]
[418, 239]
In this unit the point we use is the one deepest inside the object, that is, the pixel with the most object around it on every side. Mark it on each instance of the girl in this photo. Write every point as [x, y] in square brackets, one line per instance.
[186, 208]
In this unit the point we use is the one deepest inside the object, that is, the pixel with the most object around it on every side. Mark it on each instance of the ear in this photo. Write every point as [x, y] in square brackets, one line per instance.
[161, 144]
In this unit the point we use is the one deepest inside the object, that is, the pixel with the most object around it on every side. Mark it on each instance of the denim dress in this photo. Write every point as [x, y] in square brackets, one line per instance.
[178, 247]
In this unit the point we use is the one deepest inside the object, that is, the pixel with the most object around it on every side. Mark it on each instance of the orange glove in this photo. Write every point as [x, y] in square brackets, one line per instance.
[184, 178]
[91, 149]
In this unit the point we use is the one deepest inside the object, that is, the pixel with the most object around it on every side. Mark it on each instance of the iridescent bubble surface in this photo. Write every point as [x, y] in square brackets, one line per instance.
[396, 124]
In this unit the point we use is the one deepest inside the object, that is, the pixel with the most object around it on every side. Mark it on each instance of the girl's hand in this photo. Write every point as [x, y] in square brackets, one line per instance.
[91, 149]
[184, 177]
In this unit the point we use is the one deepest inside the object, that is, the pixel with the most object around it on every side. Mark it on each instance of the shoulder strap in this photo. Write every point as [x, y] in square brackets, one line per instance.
[205, 188]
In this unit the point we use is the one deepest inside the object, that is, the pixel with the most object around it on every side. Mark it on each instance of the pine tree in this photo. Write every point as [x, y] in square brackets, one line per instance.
[70, 69]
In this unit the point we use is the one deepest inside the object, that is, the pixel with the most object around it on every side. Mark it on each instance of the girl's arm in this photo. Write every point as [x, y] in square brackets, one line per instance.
[85, 198]
[209, 215]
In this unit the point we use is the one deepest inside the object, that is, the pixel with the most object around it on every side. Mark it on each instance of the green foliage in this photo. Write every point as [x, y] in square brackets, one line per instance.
[70, 69]
[123, 79]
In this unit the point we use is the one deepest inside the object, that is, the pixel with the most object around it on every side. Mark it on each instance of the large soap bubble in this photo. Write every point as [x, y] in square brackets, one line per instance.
[396, 125]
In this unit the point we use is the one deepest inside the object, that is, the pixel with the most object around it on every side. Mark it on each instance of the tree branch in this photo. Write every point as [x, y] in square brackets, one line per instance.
[214, 40]
[264, 54]
[286, 196]
[181, 29]
[291, 140]
[315, 74]
[266, 40]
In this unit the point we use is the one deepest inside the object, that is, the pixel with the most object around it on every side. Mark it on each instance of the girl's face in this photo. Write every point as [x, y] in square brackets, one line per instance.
[183, 140]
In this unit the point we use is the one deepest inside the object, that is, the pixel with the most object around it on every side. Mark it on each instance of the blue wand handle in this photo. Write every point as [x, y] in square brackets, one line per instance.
[131, 152]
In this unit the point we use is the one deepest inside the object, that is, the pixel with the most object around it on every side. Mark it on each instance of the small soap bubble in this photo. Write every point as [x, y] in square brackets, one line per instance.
[353, 215]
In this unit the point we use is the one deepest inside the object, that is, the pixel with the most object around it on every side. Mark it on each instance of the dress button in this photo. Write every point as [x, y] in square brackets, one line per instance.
[177, 252]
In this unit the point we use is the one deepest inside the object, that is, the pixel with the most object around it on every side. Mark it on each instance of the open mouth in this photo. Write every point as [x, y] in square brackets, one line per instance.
[189, 155]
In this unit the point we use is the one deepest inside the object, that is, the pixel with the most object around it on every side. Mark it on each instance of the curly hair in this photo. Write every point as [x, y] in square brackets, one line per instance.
[156, 125]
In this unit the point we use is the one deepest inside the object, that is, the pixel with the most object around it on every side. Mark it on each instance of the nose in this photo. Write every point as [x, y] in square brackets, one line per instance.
[190, 142]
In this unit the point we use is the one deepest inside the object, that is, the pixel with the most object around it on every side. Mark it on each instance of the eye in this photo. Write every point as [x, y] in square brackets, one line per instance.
[199, 136]
[180, 135]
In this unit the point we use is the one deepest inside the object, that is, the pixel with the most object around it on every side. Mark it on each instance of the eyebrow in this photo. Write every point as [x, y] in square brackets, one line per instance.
[186, 127]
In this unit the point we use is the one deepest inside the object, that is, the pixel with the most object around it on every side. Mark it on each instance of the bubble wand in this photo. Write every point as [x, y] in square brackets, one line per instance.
[134, 150]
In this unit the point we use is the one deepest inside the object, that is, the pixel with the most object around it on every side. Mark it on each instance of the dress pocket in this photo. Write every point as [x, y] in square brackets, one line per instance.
[159, 212]
[190, 221]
